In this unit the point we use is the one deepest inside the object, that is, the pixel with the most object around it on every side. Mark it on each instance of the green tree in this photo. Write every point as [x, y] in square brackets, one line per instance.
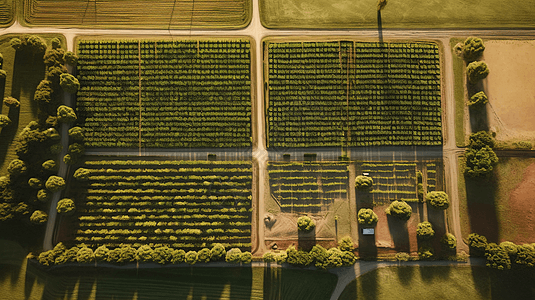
[50, 166]
[425, 231]
[11, 102]
[4, 121]
[346, 244]
[525, 255]
[348, 258]
[56, 43]
[85, 255]
[66, 114]
[77, 134]
[46, 258]
[66, 207]
[367, 217]
[233, 255]
[204, 255]
[179, 256]
[191, 257]
[39, 217]
[449, 242]
[268, 257]
[144, 253]
[126, 254]
[477, 71]
[162, 254]
[438, 200]
[44, 91]
[55, 183]
[472, 48]
[319, 256]
[246, 257]
[497, 257]
[481, 139]
[425, 252]
[477, 244]
[478, 99]
[400, 210]
[82, 174]
[101, 254]
[218, 252]
[44, 195]
[69, 83]
[381, 4]
[17, 167]
[35, 183]
[479, 162]
[363, 182]
[305, 223]
[70, 58]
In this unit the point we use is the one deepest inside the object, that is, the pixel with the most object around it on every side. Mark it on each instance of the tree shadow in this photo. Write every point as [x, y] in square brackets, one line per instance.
[380, 26]
[405, 274]
[429, 273]
[272, 286]
[437, 219]
[512, 284]
[400, 234]
[8, 133]
[479, 120]
[306, 240]
[367, 247]
[2, 92]
[28, 71]
[480, 196]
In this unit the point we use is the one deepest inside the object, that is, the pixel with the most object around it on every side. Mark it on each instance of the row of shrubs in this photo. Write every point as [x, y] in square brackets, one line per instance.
[503, 256]
[127, 254]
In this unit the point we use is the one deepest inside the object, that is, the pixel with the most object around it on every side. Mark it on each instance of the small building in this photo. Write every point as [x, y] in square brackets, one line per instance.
[368, 231]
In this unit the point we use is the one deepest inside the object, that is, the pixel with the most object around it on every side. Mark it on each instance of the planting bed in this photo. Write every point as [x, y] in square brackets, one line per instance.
[163, 14]
[7, 12]
[150, 93]
[353, 93]
[183, 204]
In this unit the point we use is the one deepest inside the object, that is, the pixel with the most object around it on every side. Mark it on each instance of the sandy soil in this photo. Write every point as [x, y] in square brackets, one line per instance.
[510, 87]
[522, 208]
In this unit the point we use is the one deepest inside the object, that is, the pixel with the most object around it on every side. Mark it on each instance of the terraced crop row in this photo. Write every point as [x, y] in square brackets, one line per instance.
[164, 14]
[183, 204]
[307, 186]
[165, 93]
[391, 180]
[354, 93]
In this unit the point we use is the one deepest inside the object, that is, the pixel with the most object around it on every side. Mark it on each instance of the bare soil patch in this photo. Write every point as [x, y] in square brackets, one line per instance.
[522, 208]
[510, 87]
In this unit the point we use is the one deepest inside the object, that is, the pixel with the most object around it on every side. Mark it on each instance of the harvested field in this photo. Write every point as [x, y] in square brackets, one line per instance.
[7, 12]
[161, 14]
[510, 87]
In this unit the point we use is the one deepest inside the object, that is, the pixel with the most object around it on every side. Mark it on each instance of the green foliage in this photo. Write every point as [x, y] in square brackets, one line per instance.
[56, 148]
[268, 257]
[348, 258]
[39, 217]
[477, 244]
[4, 121]
[66, 114]
[476, 71]
[204, 255]
[218, 252]
[162, 254]
[77, 134]
[17, 167]
[425, 231]
[346, 244]
[55, 183]
[402, 256]
[233, 255]
[425, 252]
[281, 256]
[144, 253]
[46, 258]
[11, 102]
[71, 254]
[52, 134]
[50, 166]
[400, 210]
[473, 48]
[35, 183]
[497, 257]
[305, 223]
[481, 139]
[246, 257]
[82, 174]
[478, 99]
[76, 150]
[101, 254]
[363, 182]
[43, 93]
[366, 216]
[44, 195]
[3, 74]
[56, 43]
[525, 255]
[381, 4]
[16, 43]
[449, 242]
[70, 58]
[320, 256]
[126, 254]
[54, 58]
[85, 255]
[438, 200]
[179, 256]
[479, 162]
[191, 257]
[69, 83]
[298, 257]
[510, 248]
[66, 206]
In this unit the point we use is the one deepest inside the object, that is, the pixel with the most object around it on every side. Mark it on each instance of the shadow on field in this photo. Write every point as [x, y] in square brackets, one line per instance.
[380, 26]
[405, 274]
[306, 240]
[28, 72]
[428, 274]
[479, 120]
[400, 234]
[480, 197]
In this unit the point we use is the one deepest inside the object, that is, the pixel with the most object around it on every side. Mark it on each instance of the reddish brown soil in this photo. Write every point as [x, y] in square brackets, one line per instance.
[483, 220]
[522, 208]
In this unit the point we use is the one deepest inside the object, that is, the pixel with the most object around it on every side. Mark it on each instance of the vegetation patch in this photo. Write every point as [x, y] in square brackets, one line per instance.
[353, 93]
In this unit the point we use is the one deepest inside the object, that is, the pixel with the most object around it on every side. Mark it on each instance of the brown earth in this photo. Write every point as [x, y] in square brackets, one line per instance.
[522, 208]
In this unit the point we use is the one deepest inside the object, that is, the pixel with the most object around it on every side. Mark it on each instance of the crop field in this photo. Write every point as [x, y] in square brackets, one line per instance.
[466, 14]
[148, 93]
[184, 204]
[163, 14]
[7, 12]
[353, 93]
[307, 186]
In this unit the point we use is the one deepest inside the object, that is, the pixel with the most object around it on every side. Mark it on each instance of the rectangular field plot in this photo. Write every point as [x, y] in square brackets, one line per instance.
[163, 14]
[183, 204]
[353, 93]
[165, 94]
[400, 180]
[307, 186]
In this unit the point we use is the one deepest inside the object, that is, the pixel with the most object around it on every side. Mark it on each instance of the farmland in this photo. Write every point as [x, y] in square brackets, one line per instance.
[7, 12]
[353, 94]
[166, 14]
[184, 204]
[125, 99]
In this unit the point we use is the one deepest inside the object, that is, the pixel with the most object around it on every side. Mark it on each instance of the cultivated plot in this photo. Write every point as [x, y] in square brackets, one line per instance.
[162, 14]
[165, 93]
[7, 12]
[348, 93]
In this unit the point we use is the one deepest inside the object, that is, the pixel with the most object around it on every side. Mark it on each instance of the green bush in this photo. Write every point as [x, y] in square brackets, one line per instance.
[305, 223]
[402, 256]
[70, 58]
[473, 48]
[425, 252]
[319, 256]
[179, 256]
[162, 254]
[478, 99]
[85, 255]
[71, 253]
[476, 71]
[218, 252]
[268, 257]
[4, 121]
[204, 255]
[425, 231]
[510, 248]
[191, 257]
[449, 242]
[66, 206]
[77, 134]
[525, 255]
[481, 139]
[346, 244]
[11, 102]
[39, 217]
[477, 244]
[55, 183]
[44, 195]
[233, 255]
[43, 93]
[17, 167]
[46, 258]
[348, 258]
[497, 257]
[101, 254]
[16, 43]
[82, 174]
[56, 43]
[126, 254]
[35, 183]
[298, 257]
[52, 134]
[438, 200]
[76, 149]
[400, 210]
[363, 182]
[246, 257]
[367, 217]
[479, 162]
[69, 83]
[66, 114]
